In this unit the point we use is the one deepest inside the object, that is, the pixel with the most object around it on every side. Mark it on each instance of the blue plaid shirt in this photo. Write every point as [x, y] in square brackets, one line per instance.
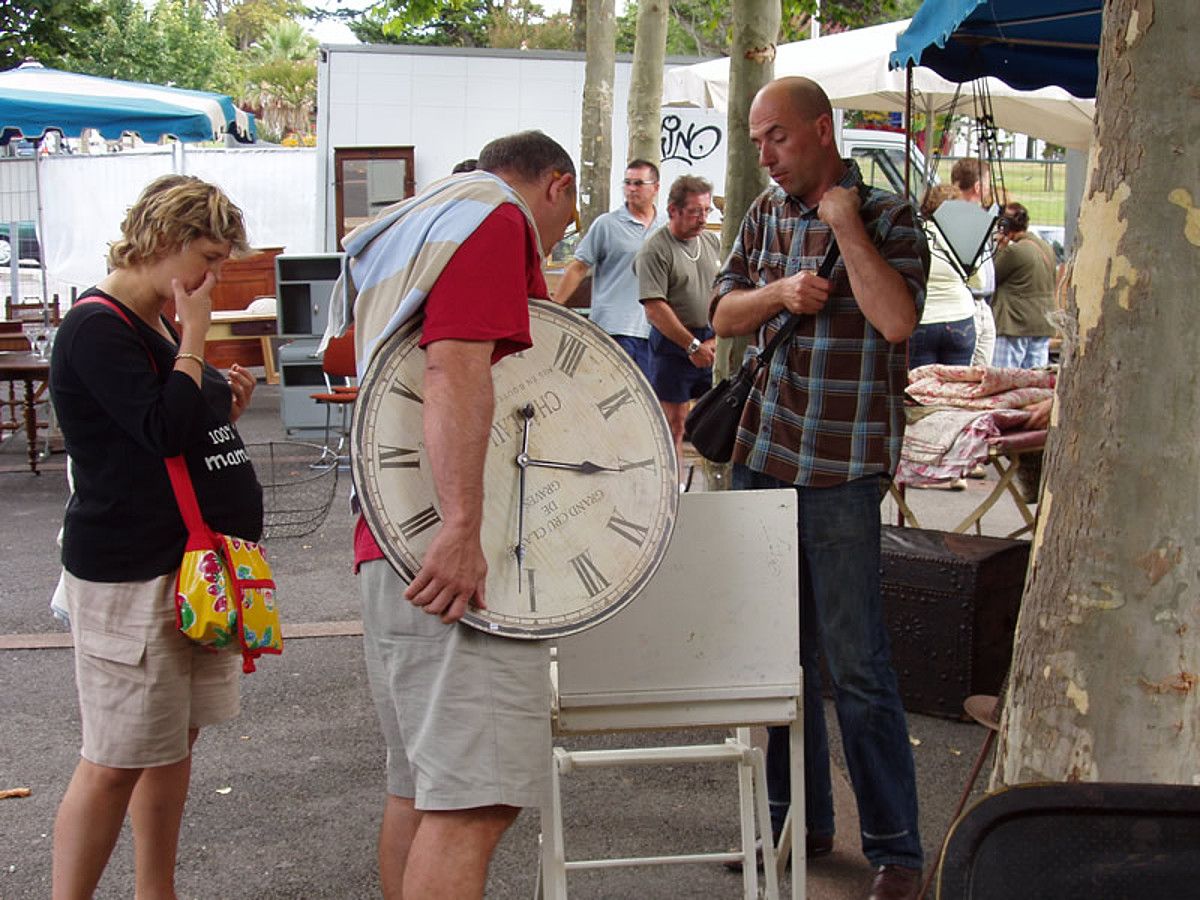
[831, 408]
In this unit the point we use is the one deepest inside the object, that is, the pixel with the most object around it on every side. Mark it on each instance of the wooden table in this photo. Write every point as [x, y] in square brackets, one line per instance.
[237, 326]
[34, 373]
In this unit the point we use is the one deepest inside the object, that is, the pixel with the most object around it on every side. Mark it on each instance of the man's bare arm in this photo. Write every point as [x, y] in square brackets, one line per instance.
[575, 272]
[661, 316]
[458, 418]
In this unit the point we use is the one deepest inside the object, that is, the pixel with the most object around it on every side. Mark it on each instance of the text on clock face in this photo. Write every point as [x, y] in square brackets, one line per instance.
[508, 426]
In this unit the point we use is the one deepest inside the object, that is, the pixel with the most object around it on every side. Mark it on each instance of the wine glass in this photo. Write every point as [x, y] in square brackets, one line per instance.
[41, 342]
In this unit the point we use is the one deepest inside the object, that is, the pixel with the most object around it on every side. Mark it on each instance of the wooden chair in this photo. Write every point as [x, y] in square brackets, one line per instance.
[339, 367]
[31, 310]
[712, 641]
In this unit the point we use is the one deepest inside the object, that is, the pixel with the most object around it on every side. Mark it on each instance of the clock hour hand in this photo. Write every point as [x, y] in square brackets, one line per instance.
[519, 549]
[587, 467]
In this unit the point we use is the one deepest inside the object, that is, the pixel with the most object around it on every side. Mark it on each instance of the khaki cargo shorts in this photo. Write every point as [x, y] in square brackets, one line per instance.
[141, 683]
[465, 715]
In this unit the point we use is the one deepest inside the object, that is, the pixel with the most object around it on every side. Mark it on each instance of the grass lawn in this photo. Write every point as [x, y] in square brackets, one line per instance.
[1039, 186]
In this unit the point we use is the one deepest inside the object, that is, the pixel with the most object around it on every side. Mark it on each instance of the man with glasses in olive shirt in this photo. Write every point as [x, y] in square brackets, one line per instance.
[607, 251]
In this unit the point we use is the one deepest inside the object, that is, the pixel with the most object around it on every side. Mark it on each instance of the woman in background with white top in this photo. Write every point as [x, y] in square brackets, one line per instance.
[946, 332]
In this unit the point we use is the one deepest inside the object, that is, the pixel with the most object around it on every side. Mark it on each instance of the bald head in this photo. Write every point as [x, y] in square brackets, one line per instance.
[791, 124]
[804, 96]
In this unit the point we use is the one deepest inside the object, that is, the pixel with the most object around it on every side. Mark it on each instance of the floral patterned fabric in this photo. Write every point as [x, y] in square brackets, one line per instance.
[225, 599]
[962, 408]
[979, 387]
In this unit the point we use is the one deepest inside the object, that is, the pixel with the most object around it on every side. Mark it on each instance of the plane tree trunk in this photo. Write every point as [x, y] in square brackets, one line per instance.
[1105, 679]
[646, 80]
[595, 164]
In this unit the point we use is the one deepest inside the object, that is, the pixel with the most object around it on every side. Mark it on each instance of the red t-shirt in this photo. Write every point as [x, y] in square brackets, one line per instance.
[481, 295]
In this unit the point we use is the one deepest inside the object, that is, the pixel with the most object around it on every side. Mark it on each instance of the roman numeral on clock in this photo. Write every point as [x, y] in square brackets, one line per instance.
[398, 458]
[399, 387]
[636, 464]
[631, 531]
[422, 521]
[529, 576]
[569, 354]
[593, 580]
[610, 405]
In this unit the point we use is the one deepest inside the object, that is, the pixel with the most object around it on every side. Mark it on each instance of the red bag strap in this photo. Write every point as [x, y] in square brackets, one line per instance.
[185, 495]
[120, 312]
[177, 471]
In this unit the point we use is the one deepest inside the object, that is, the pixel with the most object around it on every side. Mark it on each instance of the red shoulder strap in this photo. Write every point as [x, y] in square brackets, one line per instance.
[120, 312]
[177, 471]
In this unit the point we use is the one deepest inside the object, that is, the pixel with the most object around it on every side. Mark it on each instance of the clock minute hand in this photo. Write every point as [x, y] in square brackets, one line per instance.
[519, 549]
[587, 467]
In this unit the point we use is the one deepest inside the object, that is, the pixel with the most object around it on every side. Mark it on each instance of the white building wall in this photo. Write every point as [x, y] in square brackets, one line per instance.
[447, 103]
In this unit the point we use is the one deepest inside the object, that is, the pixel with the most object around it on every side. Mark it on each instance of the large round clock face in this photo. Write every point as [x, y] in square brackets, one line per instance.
[580, 481]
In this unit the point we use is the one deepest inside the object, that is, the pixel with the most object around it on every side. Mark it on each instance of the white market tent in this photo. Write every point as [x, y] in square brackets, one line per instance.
[852, 67]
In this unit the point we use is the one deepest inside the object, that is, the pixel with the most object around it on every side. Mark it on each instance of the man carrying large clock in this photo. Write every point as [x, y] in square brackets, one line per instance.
[827, 420]
[465, 715]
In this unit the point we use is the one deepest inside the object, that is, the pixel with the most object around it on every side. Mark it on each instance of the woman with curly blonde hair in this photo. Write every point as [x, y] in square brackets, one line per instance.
[130, 390]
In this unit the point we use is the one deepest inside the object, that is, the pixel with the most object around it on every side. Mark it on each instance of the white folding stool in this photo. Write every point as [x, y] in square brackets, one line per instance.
[669, 662]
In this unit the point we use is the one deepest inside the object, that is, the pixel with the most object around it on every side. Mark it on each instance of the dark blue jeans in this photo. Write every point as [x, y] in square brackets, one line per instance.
[841, 618]
[950, 343]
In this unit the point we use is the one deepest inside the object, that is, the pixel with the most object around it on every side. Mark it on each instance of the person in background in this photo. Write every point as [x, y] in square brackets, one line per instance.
[607, 251]
[946, 332]
[971, 180]
[467, 165]
[127, 395]
[1025, 281]
[827, 420]
[459, 765]
[675, 270]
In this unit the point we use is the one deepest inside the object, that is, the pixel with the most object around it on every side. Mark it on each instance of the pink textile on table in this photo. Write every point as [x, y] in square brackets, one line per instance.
[979, 387]
[941, 444]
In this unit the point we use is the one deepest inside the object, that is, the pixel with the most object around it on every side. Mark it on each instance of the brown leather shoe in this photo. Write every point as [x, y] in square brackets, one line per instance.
[895, 883]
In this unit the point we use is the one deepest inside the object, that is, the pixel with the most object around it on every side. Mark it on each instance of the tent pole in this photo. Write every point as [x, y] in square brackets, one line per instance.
[928, 140]
[907, 128]
[41, 234]
[14, 265]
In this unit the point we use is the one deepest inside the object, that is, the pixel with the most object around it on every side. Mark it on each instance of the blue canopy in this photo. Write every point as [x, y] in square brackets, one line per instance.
[35, 99]
[1027, 44]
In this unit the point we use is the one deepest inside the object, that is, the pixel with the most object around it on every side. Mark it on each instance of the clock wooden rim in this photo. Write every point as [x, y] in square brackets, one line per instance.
[561, 320]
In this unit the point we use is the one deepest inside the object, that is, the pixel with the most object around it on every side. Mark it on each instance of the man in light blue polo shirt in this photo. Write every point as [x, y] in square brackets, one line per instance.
[607, 251]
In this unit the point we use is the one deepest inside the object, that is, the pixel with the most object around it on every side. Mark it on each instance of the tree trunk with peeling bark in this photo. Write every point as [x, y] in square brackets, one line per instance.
[751, 65]
[646, 80]
[595, 163]
[1104, 680]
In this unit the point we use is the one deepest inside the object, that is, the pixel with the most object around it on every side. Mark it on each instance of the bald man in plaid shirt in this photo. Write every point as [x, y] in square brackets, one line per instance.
[828, 421]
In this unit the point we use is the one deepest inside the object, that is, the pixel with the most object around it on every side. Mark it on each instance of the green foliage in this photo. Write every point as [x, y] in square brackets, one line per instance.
[172, 44]
[458, 23]
[246, 22]
[464, 23]
[281, 80]
[705, 27]
[46, 30]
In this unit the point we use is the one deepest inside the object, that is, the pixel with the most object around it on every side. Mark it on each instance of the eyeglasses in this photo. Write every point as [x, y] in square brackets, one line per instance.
[697, 212]
[637, 182]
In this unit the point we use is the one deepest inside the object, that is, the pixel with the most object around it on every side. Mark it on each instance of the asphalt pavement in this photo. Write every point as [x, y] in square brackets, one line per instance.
[285, 801]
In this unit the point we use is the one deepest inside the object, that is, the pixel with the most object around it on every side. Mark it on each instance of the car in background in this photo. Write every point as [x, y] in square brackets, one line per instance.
[28, 250]
[1055, 236]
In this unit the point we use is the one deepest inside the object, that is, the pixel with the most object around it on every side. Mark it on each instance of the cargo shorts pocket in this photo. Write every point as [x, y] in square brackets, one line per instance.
[110, 670]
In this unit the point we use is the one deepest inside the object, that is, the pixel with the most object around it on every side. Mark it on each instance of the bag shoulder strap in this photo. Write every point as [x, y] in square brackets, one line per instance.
[177, 471]
[785, 333]
[120, 312]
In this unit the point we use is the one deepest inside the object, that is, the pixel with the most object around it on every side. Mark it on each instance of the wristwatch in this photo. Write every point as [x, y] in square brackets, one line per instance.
[693, 346]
